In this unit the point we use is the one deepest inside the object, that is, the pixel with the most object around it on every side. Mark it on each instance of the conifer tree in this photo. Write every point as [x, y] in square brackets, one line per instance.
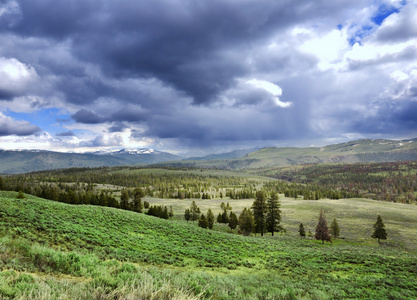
[322, 230]
[334, 228]
[259, 208]
[1, 183]
[210, 219]
[219, 218]
[379, 230]
[246, 222]
[194, 211]
[124, 200]
[273, 215]
[187, 214]
[202, 221]
[233, 221]
[20, 195]
[302, 231]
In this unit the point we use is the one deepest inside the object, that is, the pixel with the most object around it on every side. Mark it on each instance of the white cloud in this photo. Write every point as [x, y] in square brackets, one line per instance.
[273, 89]
[16, 77]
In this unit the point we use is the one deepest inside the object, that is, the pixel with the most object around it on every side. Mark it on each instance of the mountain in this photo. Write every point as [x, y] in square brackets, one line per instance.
[24, 161]
[365, 150]
[226, 155]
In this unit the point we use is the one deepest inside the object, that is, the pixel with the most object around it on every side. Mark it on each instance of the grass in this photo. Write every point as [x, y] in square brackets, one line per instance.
[51, 250]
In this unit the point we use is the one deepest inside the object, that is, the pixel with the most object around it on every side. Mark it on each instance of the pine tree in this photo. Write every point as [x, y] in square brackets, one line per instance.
[194, 211]
[210, 219]
[187, 215]
[246, 222]
[233, 221]
[219, 218]
[202, 221]
[380, 232]
[302, 231]
[322, 230]
[334, 228]
[259, 208]
[1, 183]
[124, 200]
[273, 215]
[225, 217]
[20, 195]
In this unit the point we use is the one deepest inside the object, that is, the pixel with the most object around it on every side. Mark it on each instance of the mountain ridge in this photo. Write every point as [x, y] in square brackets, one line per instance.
[364, 150]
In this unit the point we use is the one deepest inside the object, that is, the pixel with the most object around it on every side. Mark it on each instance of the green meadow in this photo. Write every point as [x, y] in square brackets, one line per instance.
[52, 250]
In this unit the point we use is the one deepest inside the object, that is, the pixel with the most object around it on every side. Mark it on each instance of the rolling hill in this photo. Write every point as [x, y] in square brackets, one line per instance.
[365, 150]
[91, 252]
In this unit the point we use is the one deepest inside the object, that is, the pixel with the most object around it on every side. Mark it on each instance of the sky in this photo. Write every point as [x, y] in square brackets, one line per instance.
[194, 76]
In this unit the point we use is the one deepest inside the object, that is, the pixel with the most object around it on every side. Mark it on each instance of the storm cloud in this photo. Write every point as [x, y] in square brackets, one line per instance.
[183, 73]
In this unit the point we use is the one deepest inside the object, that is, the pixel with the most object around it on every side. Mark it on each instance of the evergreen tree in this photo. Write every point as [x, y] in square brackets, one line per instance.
[334, 228]
[219, 218]
[187, 214]
[146, 204]
[124, 200]
[194, 211]
[202, 221]
[273, 215]
[379, 230]
[302, 231]
[225, 217]
[259, 208]
[1, 183]
[210, 219]
[20, 195]
[171, 212]
[246, 222]
[322, 230]
[233, 221]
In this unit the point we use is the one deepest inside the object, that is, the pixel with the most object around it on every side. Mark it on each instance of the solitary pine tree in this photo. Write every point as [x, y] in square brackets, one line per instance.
[273, 215]
[380, 233]
[232, 221]
[322, 230]
[210, 219]
[259, 208]
[334, 228]
[302, 231]
[246, 222]
[20, 195]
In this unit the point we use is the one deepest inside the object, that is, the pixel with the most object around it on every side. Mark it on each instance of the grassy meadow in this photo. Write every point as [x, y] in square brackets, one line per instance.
[52, 250]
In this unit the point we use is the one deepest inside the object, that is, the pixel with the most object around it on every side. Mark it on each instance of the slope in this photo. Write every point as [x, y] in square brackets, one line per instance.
[94, 252]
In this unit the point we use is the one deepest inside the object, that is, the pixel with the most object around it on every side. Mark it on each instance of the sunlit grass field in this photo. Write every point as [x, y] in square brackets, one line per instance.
[51, 250]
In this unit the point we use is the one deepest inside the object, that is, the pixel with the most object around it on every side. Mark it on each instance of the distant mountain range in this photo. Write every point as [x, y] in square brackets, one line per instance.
[23, 161]
[366, 150]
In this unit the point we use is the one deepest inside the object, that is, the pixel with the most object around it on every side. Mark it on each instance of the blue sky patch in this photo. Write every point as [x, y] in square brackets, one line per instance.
[383, 13]
[46, 119]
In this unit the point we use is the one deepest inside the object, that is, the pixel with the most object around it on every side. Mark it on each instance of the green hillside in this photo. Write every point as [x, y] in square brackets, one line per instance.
[51, 250]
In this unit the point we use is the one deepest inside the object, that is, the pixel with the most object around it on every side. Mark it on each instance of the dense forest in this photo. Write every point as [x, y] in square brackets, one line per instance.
[388, 181]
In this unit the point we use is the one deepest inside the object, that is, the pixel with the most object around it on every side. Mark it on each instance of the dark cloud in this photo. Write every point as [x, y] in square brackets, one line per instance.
[118, 127]
[186, 44]
[87, 117]
[130, 114]
[9, 126]
[66, 133]
[390, 118]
